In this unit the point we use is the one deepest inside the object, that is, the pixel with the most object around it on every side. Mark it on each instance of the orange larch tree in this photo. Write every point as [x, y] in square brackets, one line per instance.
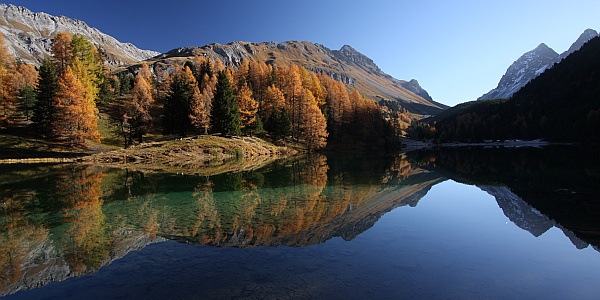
[76, 118]
[62, 51]
[247, 106]
[313, 124]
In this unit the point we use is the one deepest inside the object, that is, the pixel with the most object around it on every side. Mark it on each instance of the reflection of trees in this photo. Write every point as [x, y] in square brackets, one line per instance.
[88, 235]
[243, 209]
[17, 239]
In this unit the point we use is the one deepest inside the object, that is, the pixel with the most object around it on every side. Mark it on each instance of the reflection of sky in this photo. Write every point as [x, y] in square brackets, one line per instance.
[455, 244]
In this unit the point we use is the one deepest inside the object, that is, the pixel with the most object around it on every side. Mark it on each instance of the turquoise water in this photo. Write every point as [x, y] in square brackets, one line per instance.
[458, 224]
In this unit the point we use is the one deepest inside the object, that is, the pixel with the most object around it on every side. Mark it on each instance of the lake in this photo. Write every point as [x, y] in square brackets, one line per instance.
[458, 223]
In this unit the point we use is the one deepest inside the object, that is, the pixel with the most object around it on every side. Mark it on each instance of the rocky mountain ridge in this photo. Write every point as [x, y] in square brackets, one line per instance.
[29, 36]
[532, 64]
[348, 65]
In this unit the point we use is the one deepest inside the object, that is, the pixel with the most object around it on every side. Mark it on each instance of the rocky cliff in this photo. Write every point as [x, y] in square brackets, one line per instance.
[29, 36]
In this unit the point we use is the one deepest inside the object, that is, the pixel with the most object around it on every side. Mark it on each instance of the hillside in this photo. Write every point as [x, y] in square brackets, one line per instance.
[346, 65]
[29, 36]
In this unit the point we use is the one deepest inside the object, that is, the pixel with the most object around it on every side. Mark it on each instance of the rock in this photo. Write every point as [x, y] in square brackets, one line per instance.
[29, 36]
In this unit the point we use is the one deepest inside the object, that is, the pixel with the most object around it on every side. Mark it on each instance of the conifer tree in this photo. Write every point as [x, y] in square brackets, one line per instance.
[273, 100]
[139, 111]
[44, 109]
[61, 52]
[247, 105]
[177, 103]
[313, 124]
[76, 119]
[225, 116]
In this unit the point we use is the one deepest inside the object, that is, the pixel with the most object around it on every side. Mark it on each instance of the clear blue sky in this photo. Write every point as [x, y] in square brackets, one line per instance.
[457, 50]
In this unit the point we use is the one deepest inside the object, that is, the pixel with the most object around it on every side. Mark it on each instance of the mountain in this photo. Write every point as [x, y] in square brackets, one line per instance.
[29, 36]
[587, 35]
[347, 65]
[532, 64]
[559, 105]
[527, 67]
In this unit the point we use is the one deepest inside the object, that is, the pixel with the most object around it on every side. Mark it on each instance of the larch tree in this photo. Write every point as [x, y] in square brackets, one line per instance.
[225, 116]
[7, 96]
[7, 89]
[76, 120]
[247, 105]
[199, 112]
[86, 66]
[139, 115]
[273, 100]
[61, 51]
[313, 124]
[291, 86]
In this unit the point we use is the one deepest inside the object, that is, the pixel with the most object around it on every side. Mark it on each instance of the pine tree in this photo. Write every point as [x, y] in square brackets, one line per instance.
[225, 116]
[44, 110]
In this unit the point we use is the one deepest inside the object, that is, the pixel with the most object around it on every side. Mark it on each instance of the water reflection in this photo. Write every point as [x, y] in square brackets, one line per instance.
[62, 221]
[536, 188]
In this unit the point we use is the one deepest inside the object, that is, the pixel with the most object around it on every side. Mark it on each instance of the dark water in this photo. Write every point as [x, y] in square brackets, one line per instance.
[454, 224]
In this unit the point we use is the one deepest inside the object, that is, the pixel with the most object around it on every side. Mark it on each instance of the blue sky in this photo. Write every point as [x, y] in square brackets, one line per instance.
[457, 50]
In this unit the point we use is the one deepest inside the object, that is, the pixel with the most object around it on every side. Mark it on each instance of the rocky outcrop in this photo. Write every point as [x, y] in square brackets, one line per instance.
[29, 36]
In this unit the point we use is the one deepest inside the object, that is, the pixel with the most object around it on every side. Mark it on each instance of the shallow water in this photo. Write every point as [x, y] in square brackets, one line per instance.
[458, 224]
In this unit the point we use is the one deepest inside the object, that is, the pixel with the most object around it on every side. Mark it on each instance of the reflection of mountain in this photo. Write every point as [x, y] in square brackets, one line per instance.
[519, 211]
[536, 188]
[526, 216]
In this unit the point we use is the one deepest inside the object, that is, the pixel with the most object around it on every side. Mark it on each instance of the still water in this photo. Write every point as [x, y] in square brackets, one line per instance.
[453, 224]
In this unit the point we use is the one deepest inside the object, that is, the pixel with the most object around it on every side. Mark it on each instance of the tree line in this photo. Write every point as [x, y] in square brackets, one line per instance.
[61, 100]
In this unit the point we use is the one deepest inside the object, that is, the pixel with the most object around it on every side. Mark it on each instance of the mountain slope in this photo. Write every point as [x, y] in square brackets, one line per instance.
[29, 36]
[587, 35]
[527, 67]
[347, 65]
[532, 64]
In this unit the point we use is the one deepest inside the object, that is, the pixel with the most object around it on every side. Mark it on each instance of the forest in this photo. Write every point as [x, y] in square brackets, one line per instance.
[73, 98]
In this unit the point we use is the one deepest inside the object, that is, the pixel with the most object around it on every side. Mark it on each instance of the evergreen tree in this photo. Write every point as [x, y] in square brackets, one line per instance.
[225, 116]
[27, 101]
[177, 108]
[43, 109]
[279, 124]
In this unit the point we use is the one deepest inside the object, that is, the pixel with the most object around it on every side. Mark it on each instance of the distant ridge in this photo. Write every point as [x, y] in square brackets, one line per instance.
[347, 65]
[29, 36]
